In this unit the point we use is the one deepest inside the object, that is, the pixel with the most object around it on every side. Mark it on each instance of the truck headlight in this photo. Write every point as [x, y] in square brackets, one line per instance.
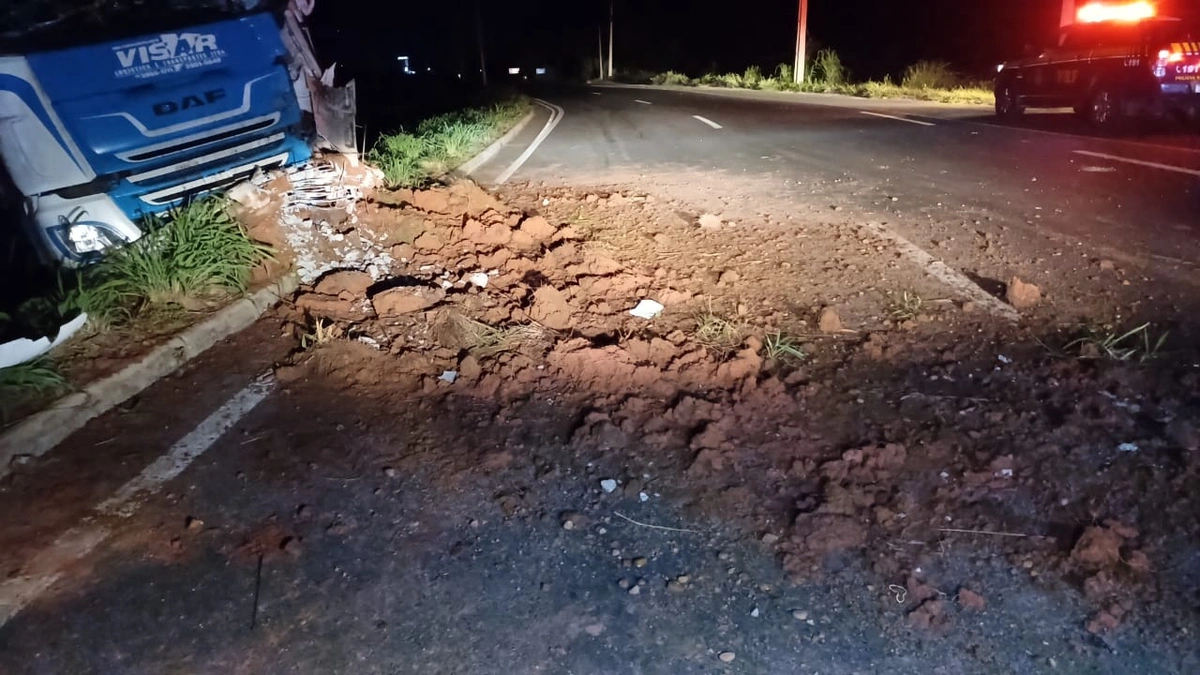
[88, 238]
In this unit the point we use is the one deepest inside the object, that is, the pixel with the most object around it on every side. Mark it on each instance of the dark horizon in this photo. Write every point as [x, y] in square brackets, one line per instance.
[694, 37]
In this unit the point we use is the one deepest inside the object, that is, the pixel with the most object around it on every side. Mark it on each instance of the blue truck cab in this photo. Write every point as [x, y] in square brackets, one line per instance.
[96, 137]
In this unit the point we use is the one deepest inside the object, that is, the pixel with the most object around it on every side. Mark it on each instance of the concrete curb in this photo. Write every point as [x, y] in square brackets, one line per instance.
[489, 153]
[41, 432]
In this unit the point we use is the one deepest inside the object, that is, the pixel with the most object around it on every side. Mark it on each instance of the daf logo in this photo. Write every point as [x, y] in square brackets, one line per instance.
[188, 102]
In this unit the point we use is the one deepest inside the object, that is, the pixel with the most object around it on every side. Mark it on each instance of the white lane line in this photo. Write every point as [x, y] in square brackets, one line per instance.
[596, 93]
[46, 568]
[898, 118]
[708, 122]
[188, 449]
[638, 100]
[945, 274]
[1139, 162]
[556, 115]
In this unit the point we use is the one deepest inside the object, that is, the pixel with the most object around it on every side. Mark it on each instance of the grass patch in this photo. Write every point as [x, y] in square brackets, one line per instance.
[782, 348]
[906, 306]
[933, 81]
[483, 340]
[828, 70]
[930, 75]
[321, 333]
[672, 78]
[1138, 345]
[439, 144]
[35, 378]
[718, 333]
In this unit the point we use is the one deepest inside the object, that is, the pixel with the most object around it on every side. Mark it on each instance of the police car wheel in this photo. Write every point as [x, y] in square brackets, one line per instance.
[1007, 105]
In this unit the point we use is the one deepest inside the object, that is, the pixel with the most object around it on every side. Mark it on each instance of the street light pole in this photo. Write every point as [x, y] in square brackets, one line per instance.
[612, 14]
[600, 42]
[801, 41]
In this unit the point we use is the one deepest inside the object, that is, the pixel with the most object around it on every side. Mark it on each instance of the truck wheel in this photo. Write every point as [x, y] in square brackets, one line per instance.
[1007, 105]
[1104, 111]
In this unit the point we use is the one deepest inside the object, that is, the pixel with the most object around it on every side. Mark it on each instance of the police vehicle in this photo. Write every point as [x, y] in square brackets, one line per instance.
[1110, 67]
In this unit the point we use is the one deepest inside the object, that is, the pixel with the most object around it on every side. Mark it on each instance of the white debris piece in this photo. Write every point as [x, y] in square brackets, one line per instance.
[479, 279]
[1004, 359]
[1128, 447]
[320, 248]
[647, 309]
[608, 485]
[249, 195]
[23, 350]
[643, 497]
[450, 376]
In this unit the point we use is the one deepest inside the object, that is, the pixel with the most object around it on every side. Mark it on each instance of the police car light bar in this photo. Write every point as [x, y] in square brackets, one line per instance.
[1099, 12]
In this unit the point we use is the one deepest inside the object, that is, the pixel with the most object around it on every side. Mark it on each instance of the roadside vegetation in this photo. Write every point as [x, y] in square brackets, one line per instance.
[923, 81]
[440, 144]
[191, 261]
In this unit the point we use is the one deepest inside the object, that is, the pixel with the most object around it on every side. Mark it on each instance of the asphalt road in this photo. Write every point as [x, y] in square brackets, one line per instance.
[1136, 197]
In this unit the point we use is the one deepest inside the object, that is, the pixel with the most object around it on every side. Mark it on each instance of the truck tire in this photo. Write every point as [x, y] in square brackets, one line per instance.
[1104, 112]
[1008, 105]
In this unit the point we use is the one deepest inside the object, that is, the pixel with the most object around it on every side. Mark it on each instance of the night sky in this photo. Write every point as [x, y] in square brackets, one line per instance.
[874, 37]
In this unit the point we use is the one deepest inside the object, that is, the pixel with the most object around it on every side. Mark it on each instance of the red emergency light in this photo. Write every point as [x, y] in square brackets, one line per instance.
[1099, 12]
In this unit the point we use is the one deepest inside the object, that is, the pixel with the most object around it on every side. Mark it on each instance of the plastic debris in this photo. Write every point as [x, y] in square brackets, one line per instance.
[609, 485]
[1128, 447]
[450, 376]
[647, 309]
[1004, 359]
[479, 279]
[643, 496]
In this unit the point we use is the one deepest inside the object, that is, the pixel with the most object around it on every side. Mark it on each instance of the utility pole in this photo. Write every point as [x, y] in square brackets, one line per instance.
[801, 41]
[479, 35]
[600, 42]
[612, 22]
[1068, 13]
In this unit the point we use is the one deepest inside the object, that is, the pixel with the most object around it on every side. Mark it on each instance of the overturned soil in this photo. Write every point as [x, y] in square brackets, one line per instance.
[804, 385]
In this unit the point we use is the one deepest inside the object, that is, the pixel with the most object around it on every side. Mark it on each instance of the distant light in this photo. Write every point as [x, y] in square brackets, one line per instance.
[540, 71]
[401, 58]
[514, 71]
[1000, 68]
[1099, 12]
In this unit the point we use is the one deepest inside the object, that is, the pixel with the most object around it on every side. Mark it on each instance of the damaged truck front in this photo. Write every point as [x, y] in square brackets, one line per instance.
[96, 137]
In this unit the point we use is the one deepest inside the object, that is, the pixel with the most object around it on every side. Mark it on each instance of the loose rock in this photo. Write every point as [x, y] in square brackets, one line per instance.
[1022, 295]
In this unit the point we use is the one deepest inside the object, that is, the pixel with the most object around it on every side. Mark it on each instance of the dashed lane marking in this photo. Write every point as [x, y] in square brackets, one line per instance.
[708, 122]
[898, 118]
[46, 568]
[1138, 162]
[946, 274]
[638, 100]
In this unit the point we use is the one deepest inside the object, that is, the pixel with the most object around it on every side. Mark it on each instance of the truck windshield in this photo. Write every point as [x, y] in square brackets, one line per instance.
[39, 25]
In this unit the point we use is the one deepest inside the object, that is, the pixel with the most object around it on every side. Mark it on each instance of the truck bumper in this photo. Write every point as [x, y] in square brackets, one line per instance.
[74, 232]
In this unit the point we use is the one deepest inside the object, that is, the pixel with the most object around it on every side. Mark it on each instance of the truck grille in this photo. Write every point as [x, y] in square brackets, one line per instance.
[211, 137]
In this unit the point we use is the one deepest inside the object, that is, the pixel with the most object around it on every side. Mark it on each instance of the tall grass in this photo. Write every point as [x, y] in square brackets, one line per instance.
[672, 78]
[827, 69]
[200, 253]
[930, 75]
[443, 142]
[827, 74]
